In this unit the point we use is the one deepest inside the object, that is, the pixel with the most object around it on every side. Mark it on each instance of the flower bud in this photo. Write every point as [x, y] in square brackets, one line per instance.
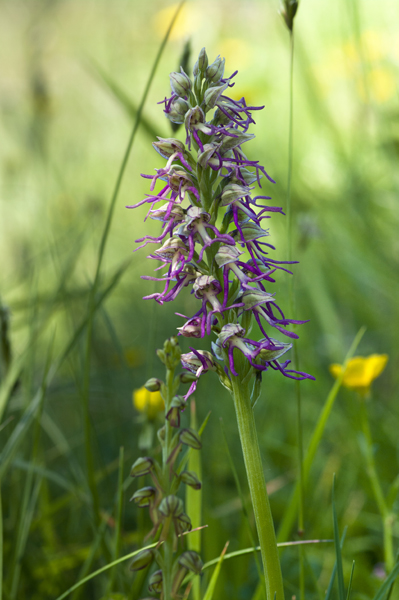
[191, 362]
[176, 213]
[190, 438]
[191, 479]
[171, 350]
[166, 147]
[184, 523]
[248, 176]
[213, 94]
[144, 497]
[153, 385]
[161, 434]
[250, 231]
[276, 350]
[191, 561]
[177, 110]
[239, 138]
[187, 377]
[179, 177]
[180, 83]
[229, 331]
[233, 192]
[208, 156]
[143, 466]
[227, 254]
[171, 506]
[155, 582]
[206, 285]
[170, 247]
[288, 12]
[253, 297]
[201, 64]
[142, 560]
[191, 328]
[176, 406]
[220, 118]
[193, 117]
[214, 72]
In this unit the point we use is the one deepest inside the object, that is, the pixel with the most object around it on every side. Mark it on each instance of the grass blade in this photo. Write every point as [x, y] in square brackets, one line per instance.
[27, 511]
[350, 582]
[340, 572]
[118, 520]
[123, 99]
[385, 589]
[290, 513]
[90, 559]
[102, 570]
[1, 547]
[93, 290]
[332, 579]
[18, 435]
[212, 584]
[245, 551]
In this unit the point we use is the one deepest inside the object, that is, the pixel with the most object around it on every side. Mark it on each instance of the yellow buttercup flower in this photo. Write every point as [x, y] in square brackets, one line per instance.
[361, 371]
[147, 402]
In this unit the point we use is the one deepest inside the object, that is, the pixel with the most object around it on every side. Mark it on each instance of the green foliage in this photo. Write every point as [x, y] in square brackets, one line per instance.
[66, 263]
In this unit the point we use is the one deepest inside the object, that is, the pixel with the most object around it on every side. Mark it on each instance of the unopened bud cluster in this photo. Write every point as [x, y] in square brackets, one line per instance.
[213, 239]
[166, 508]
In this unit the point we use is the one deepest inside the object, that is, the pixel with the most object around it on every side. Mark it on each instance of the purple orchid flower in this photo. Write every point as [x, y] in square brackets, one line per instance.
[212, 239]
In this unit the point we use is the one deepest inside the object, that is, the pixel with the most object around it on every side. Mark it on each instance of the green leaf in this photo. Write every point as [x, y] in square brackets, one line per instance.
[331, 584]
[212, 584]
[350, 582]
[384, 590]
[103, 569]
[340, 572]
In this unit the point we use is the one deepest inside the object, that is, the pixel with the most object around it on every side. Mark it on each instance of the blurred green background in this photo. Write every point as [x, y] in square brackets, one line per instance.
[73, 74]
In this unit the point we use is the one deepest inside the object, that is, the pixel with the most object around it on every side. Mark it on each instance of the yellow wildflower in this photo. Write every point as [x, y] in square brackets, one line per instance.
[150, 403]
[361, 371]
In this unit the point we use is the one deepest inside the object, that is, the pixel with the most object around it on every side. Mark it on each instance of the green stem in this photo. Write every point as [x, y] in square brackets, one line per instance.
[168, 544]
[377, 489]
[257, 486]
[290, 148]
[301, 484]
[1, 547]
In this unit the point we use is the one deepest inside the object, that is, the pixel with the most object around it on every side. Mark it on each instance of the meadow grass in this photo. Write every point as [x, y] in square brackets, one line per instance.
[76, 338]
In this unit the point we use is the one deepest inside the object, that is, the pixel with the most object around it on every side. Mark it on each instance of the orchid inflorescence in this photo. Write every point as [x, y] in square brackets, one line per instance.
[212, 227]
[166, 508]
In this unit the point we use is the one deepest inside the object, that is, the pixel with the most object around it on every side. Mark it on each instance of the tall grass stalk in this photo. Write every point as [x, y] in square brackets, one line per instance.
[1, 545]
[301, 487]
[94, 287]
[372, 472]
[289, 515]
